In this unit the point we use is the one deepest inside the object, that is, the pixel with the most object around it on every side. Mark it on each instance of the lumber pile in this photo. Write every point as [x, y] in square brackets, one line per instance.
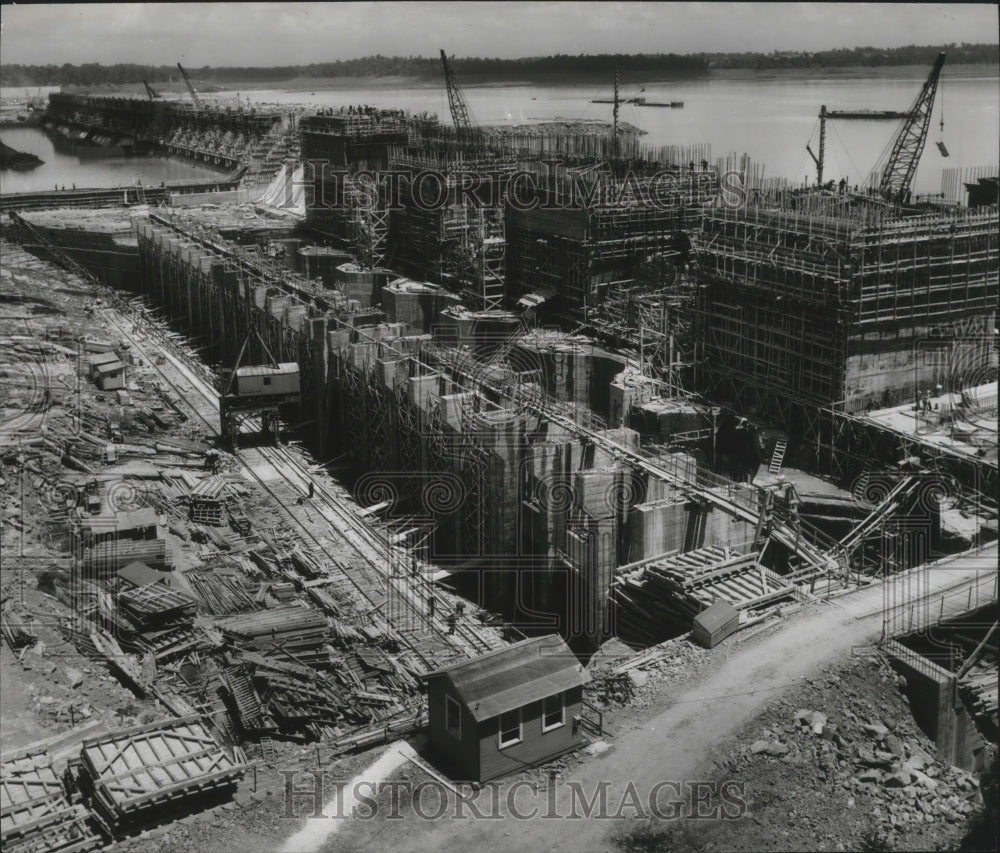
[295, 633]
[153, 620]
[17, 625]
[35, 813]
[106, 558]
[272, 694]
[155, 605]
[979, 689]
[666, 594]
[222, 594]
[205, 501]
[138, 775]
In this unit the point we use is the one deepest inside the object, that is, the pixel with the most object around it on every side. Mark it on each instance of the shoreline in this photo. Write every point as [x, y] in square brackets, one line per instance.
[332, 84]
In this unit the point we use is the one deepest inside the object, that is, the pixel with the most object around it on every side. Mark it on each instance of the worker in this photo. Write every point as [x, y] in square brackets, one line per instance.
[312, 489]
[452, 622]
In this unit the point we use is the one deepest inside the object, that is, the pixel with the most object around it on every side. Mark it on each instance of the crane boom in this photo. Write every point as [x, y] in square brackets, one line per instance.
[190, 86]
[456, 101]
[153, 94]
[909, 144]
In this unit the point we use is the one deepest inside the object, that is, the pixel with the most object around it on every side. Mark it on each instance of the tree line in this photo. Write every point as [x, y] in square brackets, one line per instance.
[634, 67]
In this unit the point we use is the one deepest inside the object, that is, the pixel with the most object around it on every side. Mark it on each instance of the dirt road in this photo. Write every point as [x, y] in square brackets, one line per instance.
[674, 744]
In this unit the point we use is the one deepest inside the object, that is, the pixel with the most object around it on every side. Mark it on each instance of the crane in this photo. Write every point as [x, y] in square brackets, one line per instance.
[456, 101]
[818, 159]
[190, 85]
[153, 94]
[909, 143]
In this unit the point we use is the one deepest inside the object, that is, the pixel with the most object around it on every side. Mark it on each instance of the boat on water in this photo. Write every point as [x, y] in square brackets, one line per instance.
[640, 102]
[866, 114]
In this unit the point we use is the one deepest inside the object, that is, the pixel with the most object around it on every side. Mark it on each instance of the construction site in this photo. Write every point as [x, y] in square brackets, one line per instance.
[394, 395]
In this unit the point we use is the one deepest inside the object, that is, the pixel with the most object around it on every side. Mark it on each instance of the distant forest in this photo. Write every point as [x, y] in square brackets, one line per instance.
[634, 67]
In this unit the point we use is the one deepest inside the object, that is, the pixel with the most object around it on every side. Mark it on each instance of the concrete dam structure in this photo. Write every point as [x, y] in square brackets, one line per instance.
[535, 505]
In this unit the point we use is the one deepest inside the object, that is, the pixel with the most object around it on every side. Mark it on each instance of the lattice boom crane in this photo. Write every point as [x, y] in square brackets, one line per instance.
[909, 144]
[190, 86]
[456, 101]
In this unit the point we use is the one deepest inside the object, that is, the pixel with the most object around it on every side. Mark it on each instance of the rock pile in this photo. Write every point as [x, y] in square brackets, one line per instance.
[870, 759]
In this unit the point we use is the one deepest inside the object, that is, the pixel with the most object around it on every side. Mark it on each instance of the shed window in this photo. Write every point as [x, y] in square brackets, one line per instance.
[267, 380]
[553, 713]
[452, 717]
[510, 728]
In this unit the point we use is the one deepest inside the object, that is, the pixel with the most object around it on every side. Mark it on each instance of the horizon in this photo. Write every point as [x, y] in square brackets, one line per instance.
[435, 58]
[263, 35]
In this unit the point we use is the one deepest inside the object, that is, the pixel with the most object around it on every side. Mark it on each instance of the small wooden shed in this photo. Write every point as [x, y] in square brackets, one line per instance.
[264, 380]
[513, 708]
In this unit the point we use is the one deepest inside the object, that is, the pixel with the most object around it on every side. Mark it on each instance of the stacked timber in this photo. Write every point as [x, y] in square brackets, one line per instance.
[17, 625]
[665, 595]
[155, 620]
[35, 813]
[980, 691]
[222, 594]
[160, 639]
[106, 558]
[205, 501]
[295, 633]
[138, 775]
[155, 605]
[324, 601]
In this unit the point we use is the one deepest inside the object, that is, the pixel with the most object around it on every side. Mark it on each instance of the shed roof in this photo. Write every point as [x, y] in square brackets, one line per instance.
[512, 677]
[138, 573]
[143, 517]
[111, 367]
[102, 358]
[268, 369]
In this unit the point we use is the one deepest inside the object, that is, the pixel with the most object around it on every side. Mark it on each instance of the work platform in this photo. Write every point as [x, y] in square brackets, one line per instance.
[963, 422]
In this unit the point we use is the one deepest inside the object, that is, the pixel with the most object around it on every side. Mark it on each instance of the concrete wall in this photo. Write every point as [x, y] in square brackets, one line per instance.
[936, 706]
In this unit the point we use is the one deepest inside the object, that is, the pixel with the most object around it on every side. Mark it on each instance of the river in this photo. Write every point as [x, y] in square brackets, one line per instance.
[769, 118]
[64, 170]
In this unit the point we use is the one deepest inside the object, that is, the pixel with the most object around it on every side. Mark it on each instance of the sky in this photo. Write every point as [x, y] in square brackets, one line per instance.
[261, 34]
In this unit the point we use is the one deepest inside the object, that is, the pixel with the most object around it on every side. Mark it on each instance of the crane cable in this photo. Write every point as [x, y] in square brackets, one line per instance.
[940, 143]
[848, 153]
[875, 175]
[810, 163]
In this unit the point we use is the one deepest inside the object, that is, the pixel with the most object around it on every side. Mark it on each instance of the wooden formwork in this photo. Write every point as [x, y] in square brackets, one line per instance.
[132, 774]
[35, 814]
[674, 588]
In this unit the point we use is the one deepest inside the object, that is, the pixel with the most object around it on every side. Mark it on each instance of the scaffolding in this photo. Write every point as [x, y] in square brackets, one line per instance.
[801, 315]
[590, 231]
